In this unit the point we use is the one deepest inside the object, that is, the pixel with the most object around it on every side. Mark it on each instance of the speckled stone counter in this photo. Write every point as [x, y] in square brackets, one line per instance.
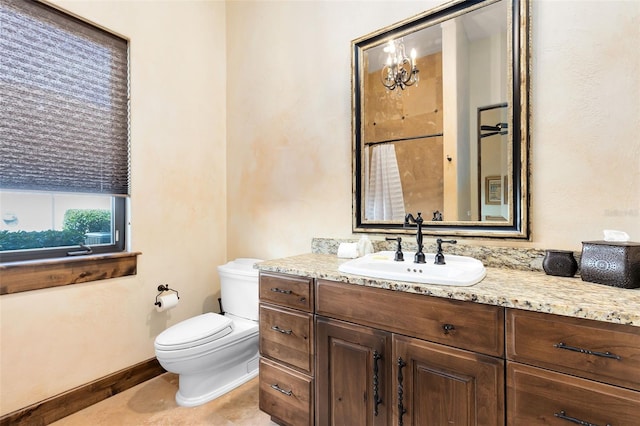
[528, 290]
[525, 259]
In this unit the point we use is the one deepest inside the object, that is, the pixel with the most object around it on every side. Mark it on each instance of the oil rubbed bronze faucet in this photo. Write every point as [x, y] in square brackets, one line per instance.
[399, 256]
[408, 219]
[439, 256]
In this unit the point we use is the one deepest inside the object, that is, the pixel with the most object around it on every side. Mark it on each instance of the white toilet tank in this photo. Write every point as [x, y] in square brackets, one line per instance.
[239, 287]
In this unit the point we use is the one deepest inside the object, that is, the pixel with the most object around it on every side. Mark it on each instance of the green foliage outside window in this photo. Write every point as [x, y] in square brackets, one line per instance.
[22, 240]
[77, 222]
[87, 220]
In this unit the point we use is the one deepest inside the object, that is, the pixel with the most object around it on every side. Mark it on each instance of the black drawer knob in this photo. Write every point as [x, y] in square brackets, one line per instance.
[448, 328]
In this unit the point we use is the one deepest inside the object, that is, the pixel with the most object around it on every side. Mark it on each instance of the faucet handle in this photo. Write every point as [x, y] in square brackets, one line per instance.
[439, 260]
[409, 218]
[439, 241]
[399, 257]
[419, 219]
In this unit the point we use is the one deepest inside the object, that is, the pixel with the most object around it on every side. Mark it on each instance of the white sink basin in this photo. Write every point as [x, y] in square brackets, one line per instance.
[458, 271]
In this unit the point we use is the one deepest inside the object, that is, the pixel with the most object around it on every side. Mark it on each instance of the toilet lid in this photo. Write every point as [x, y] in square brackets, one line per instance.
[194, 331]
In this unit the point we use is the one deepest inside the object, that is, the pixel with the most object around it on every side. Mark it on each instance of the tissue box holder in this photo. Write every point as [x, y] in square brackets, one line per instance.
[615, 264]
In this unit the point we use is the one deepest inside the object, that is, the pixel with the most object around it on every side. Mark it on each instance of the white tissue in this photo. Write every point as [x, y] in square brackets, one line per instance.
[613, 235]
[348, 250]
[167, 301]
[365, 246]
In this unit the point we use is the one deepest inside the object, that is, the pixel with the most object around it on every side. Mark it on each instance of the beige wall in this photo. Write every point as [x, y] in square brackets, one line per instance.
[287, 132]
[289, 125]
[56, 339]
[289, 128]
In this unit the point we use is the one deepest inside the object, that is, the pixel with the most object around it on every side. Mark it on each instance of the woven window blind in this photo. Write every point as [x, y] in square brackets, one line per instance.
[64, 108]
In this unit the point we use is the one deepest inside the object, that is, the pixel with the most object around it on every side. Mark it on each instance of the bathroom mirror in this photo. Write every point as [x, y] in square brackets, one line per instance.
[440, 122]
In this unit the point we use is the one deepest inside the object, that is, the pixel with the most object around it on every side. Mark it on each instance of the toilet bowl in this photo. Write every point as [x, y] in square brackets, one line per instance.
[214, 353]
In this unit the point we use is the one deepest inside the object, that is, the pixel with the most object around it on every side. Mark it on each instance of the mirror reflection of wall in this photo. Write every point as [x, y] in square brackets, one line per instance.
[493, 163]
[406, 125]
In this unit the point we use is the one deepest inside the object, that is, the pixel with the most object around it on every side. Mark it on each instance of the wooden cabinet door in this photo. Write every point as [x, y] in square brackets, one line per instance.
[352, 374]
[439, 385]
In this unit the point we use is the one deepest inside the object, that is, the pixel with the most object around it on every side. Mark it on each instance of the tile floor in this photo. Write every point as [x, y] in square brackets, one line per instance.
[153, 403]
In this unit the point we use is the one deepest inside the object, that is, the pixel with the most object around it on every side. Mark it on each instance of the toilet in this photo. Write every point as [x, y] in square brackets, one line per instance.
[214, 353]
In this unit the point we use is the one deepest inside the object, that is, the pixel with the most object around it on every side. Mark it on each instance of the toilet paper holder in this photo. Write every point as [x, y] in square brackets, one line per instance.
[162, 289]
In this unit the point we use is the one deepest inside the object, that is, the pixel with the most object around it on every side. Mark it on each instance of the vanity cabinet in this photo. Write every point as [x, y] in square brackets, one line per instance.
[394, 358]
[564, 370]
[344, 354]
[287, 348]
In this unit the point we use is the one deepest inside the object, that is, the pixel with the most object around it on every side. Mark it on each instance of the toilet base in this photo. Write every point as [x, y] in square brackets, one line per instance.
[199, 389]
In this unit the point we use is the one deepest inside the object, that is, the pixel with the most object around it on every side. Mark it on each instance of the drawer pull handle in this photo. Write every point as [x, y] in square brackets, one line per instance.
[587, 351]
[279, 389]
[279, 290]
[448, 328]
[563, 415]
[376, 396]
[281, 330]
[401, 409]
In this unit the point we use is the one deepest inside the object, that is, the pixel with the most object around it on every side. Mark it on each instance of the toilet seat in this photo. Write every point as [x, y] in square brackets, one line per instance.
[195, 331]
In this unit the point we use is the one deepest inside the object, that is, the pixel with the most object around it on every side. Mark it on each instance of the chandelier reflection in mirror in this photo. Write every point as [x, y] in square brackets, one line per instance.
[399, 71]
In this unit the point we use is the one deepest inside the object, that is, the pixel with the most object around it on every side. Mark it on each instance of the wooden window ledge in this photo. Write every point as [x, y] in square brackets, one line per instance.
[16, 277]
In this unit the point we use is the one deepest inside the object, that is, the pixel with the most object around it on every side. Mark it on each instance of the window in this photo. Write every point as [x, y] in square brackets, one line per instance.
[64, 134]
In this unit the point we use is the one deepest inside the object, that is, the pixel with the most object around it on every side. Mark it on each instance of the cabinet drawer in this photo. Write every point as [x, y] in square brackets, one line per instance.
[600, 351]
[541, 397]
[285, 394]
[465, 325]
[287, 336]
[287, 290]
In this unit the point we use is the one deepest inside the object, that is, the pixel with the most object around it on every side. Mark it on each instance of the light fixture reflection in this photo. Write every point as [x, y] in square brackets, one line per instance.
[399, 71]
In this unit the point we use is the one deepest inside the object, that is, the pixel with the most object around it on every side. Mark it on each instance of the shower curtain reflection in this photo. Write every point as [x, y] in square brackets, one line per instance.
[383, 188]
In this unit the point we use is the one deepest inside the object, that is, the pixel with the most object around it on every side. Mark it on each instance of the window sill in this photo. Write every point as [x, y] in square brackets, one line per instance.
[38, 274]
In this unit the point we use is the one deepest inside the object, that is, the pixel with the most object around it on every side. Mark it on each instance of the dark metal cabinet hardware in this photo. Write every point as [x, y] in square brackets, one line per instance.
[563, 415]
[279, 389]
[278, 290]
[606, 354]
[281, 330]
[376, 395]
[401, 410]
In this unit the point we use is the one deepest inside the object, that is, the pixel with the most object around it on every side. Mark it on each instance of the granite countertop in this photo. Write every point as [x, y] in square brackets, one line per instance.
[528, 290]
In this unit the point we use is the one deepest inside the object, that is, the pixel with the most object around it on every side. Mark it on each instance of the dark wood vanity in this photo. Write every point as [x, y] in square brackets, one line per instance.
[338, 353]
[287, 348]
[419, 350]
[565, 370]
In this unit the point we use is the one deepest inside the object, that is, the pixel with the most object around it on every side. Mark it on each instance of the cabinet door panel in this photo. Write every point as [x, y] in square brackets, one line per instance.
[439, 385]
[542, 397]
[348, 385]
[447, 394]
